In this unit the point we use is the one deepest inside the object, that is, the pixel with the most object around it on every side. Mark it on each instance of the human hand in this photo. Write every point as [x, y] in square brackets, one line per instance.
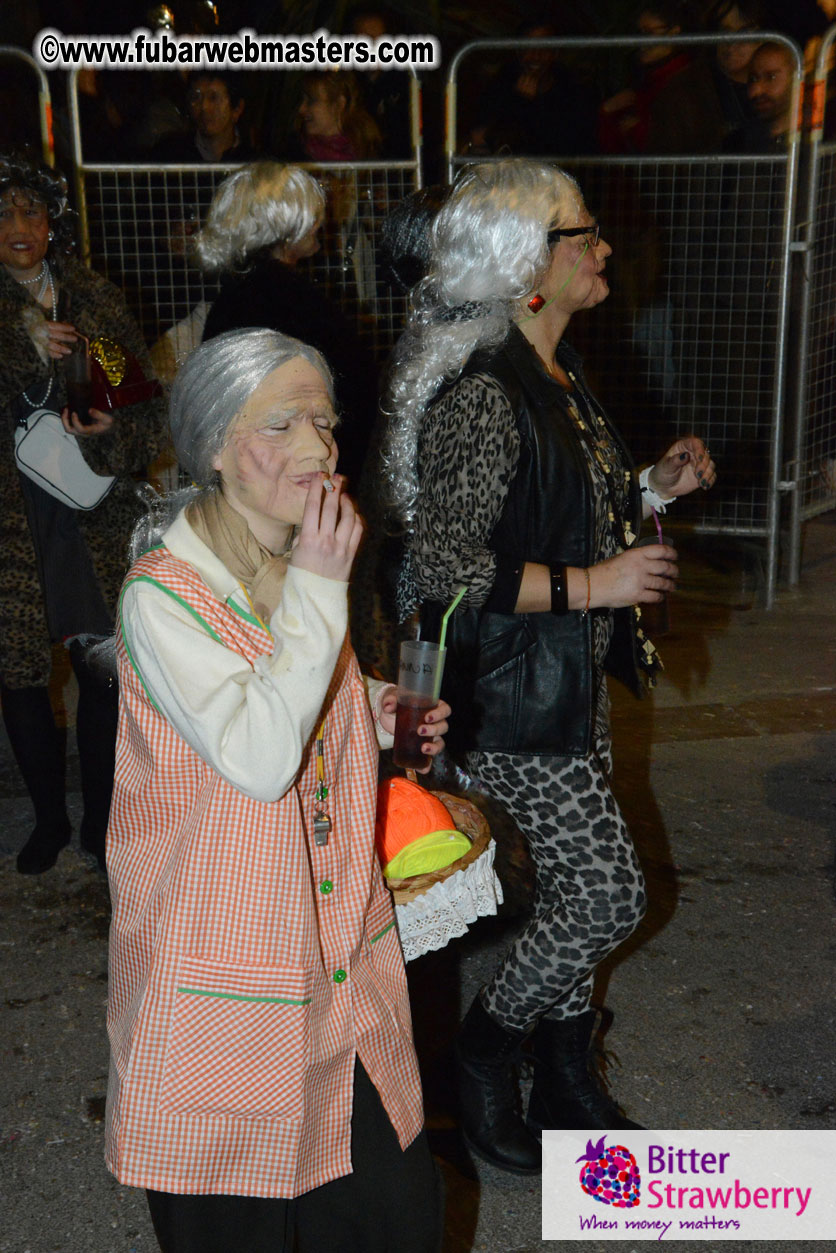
[686, 466]
[98, 422]
[432, 727]
[331, 531]
[639, 576]
[60, 337]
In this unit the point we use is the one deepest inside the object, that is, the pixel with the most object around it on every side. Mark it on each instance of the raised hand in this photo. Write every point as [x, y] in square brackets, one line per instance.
[331, 531]
[686, 466]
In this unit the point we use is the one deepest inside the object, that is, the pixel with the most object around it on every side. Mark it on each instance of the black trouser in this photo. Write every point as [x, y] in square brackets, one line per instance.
[390, 1203]
[38, 748]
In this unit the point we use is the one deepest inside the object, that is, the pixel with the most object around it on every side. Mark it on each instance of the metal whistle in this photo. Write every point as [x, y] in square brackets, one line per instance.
[321, 828]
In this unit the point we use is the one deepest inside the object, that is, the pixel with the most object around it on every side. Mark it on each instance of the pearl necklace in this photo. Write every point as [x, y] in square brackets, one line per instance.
[46, 281]
[38, 277]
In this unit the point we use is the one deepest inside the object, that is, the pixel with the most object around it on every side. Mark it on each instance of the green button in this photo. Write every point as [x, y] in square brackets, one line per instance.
[326, 886]
[340, 976]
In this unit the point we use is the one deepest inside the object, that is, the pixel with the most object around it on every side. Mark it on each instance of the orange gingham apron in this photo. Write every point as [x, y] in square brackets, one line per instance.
[247, 964]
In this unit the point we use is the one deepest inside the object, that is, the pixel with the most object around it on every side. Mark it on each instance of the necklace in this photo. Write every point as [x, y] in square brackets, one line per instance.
[592, 431]
[38, 277]
[46, 281]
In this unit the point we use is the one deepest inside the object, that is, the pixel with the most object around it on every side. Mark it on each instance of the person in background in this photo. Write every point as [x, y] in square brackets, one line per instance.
[264, 220]
[512, 483]
[61, 567]
[731, 62]
[216, 104]
[334, 127]
[264, 1087]
[673, 107]
[770, 83]
[332, 121]
[537, 106]
[385, 93]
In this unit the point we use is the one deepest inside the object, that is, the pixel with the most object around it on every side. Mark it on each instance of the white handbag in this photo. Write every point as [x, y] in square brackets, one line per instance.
[51, 457]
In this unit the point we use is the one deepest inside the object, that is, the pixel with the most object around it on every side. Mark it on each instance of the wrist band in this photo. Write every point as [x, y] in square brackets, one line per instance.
[653, 498]
[588, 591]
[560, 589]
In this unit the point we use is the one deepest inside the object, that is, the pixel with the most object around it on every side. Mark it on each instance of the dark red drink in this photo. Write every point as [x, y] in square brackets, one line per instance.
[407, 752]
[79, 395]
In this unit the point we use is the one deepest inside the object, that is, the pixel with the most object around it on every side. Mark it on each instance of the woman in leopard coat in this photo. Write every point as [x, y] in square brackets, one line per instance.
[512, 483]
[60, 568]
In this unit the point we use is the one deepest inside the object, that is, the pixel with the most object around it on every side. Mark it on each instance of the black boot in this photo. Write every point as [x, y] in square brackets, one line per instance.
[38, 749]
[489, 1094]
[568, 1092]
[96, 719]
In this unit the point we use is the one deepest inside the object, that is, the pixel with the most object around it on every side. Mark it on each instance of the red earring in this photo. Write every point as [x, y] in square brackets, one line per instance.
[536, 303]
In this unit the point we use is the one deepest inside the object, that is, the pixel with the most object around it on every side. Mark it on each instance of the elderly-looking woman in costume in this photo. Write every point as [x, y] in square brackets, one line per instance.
[265, 219]
[512, 482]
[60, 568]
[263, 1073]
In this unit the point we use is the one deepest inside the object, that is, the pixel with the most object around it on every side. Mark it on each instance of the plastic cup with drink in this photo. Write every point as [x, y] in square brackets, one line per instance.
[419, 687]
[656, 616]
[419, 684]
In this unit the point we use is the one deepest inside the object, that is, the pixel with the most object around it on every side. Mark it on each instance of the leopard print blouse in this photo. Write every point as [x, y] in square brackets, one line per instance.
[468, 453]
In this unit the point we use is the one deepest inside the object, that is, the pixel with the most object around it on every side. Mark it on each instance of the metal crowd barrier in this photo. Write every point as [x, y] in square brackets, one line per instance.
[694, 335]
[137, 221]
[9, 53]
[813, 464]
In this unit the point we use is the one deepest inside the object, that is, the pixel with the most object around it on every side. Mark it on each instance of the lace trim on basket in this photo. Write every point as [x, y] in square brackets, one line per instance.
[447, 909]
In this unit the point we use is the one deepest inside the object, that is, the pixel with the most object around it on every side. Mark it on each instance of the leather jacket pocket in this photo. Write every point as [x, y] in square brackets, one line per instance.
[502, 641]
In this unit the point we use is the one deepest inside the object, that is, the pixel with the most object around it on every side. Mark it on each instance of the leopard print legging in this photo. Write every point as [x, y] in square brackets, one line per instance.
[589, 885]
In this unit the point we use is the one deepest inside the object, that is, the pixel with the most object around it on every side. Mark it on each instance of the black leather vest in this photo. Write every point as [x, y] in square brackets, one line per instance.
[523, 683]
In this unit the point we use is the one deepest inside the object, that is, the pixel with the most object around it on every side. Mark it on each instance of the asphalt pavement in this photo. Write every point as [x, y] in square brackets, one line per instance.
[721, 1010]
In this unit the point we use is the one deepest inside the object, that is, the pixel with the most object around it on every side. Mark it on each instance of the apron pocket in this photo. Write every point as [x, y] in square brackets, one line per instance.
[239, 1040]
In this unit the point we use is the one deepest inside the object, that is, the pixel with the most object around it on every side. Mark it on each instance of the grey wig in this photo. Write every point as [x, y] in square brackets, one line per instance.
[258, 207]
[488, 251]
[211, 389]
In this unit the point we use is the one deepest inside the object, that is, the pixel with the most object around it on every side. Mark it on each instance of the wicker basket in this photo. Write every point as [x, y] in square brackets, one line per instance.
[471, 823]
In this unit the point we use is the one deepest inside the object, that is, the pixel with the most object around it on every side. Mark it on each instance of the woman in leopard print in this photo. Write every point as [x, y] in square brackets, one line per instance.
[60, 568]
[512, 482]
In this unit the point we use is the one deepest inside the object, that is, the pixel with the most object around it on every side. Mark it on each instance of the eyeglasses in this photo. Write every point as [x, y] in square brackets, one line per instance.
[593, 232]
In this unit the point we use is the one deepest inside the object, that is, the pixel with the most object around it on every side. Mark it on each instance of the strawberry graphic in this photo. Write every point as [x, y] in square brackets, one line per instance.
[610, 1174]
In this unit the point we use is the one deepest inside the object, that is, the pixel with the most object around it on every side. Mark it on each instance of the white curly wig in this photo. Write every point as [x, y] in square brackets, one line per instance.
[488, 251]
[259, 206]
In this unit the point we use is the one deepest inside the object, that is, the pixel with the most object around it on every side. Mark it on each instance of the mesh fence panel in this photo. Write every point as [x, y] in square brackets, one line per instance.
[817, 471]
[140, 222]
[688, 339]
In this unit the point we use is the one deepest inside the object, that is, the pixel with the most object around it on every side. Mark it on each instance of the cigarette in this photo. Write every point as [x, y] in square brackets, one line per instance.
[328, 485]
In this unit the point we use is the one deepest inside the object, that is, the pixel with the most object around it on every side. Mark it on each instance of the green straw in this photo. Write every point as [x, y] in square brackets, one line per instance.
[446, 617]
[443, 637]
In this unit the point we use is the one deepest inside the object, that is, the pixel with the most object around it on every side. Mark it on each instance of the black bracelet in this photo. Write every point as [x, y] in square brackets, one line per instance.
[560, 589]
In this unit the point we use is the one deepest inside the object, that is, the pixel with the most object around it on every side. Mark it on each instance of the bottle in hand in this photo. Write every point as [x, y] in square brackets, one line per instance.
[78, 379]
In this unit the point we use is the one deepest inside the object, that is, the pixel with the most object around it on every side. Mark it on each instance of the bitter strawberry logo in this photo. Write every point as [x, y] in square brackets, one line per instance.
[610, 1174]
